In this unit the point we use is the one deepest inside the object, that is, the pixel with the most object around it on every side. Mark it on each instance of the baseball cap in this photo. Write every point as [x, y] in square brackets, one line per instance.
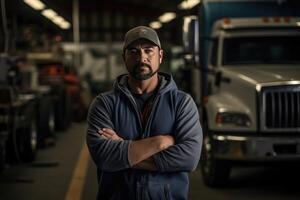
[141, 32]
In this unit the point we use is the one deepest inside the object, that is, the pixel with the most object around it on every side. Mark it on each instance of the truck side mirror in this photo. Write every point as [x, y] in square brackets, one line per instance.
[191, 38]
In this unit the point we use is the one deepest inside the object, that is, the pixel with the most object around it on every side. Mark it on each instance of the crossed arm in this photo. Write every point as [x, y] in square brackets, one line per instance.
[141, 151]
[154, 153]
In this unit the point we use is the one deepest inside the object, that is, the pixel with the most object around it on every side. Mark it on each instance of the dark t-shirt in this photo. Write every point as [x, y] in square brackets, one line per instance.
[142, 99]
[144, 102]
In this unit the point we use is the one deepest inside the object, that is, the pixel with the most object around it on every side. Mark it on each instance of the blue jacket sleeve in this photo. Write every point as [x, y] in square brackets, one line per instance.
[109, 155]
[185, 154]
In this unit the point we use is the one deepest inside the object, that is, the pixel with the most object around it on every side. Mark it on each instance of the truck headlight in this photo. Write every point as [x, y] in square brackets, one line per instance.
[238, 119]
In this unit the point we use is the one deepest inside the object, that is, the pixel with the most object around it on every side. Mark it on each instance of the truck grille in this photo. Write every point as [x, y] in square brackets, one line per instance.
[281, 107]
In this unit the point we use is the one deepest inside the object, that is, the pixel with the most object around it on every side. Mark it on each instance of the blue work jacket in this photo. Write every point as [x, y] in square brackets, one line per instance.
[173, 112]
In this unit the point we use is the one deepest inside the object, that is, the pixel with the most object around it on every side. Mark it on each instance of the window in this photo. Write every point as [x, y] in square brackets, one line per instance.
[265, 50]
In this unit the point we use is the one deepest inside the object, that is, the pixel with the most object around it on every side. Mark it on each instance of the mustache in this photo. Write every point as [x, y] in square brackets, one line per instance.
[141, 65]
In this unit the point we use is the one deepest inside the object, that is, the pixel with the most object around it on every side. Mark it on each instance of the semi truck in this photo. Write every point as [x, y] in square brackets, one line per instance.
[244, 55]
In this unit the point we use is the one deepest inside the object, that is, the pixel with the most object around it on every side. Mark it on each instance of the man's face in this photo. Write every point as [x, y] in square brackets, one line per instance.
[142, 59]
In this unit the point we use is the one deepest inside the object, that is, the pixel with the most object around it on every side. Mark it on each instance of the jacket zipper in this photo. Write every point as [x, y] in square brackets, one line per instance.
[151, 112]
[137, 111]
[131, 99]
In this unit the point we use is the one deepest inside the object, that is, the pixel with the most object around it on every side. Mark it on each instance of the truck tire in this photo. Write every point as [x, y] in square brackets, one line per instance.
[22, 142]
[12, 154]
[215, 172]
[45, 121]
[27, 141]
[63, 109]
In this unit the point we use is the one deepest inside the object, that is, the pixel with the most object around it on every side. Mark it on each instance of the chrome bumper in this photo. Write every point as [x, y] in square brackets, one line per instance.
[256, 148]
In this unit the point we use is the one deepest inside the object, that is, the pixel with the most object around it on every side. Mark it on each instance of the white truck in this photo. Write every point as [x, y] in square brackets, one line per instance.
[246, 81]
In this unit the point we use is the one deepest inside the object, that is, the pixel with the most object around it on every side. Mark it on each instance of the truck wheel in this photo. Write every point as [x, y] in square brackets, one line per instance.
[63, 109]
[45, 121]
[28, 142]
[51, 125]
[12, 154]
[22, 141]
[215, 172]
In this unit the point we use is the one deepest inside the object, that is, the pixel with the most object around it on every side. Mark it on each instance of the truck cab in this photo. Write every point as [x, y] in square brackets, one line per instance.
[248, 84]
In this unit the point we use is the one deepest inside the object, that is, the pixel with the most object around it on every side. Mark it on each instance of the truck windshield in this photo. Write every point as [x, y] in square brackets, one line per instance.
[261, 50]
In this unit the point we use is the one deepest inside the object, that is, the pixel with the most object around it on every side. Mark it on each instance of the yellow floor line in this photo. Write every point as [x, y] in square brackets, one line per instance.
[77, 183]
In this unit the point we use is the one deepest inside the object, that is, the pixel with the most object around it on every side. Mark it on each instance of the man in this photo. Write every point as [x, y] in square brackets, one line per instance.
[144, 135]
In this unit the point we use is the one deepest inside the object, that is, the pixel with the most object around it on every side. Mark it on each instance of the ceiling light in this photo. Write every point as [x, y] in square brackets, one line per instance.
[35, 4]
[65, 25]
[49, 13]
[155, 25]
[167, 17]
[61, 22]
[58, 19]
[188, 4]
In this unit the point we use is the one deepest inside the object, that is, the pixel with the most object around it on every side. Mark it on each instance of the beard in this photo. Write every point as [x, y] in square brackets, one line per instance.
[136, 73]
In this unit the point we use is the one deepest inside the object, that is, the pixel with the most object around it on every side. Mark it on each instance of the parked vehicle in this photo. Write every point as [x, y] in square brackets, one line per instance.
[246, 82]
[45, 110]
[18, 136]
[65, 87]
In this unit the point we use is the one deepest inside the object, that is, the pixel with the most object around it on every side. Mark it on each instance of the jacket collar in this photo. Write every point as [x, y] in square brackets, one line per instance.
[167, 83]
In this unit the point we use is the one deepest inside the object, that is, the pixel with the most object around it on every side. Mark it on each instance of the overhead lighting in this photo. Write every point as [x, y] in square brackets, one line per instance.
[58, 20]
[35, 4]
[65, 25]
[188, 4]
[61, 22]
[155, 25]
[49, 13]
[166, 17]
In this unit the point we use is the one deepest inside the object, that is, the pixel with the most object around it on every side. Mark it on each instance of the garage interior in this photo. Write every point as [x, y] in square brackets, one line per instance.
[56, 56]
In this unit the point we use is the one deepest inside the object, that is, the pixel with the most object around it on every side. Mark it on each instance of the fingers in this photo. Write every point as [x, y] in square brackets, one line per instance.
[103, 132]
[106, 135]
[107, 131]
[109, 134]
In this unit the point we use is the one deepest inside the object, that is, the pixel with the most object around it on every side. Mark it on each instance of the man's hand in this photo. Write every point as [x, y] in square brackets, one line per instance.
[166, 141]
[109, 134]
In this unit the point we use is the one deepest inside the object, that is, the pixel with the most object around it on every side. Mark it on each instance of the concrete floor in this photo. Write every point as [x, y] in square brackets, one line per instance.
[49, 177]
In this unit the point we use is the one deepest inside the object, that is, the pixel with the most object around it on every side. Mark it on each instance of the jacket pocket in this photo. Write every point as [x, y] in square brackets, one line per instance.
[154, 191]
